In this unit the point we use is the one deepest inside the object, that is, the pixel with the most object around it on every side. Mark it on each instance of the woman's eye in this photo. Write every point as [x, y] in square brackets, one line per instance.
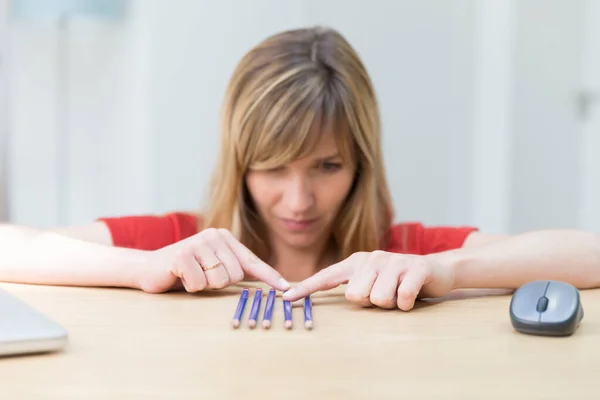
[331, 166]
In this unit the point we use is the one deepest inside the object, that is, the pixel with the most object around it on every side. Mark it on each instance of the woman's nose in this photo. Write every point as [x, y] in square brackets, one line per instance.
[299, 194]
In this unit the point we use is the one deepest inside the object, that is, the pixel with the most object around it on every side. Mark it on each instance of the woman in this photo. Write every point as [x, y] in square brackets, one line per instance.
[299, 194]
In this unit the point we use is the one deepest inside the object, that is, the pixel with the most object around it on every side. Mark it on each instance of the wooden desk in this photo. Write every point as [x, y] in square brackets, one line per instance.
[128, 344]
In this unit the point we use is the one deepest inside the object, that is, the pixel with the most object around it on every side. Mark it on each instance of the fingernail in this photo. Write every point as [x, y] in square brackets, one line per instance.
[288, 294]
[284, 284]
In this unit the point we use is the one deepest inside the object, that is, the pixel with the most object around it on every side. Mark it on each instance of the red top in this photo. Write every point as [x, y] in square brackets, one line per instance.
[151, 232]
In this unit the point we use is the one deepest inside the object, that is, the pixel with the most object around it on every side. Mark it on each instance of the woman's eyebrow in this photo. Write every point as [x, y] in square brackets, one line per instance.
[329, 157]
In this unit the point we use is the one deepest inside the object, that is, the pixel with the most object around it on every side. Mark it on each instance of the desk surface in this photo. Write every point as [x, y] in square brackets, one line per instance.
[128, 344]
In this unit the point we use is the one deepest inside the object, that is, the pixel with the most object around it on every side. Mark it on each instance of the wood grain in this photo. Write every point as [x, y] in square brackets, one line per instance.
[126, 344]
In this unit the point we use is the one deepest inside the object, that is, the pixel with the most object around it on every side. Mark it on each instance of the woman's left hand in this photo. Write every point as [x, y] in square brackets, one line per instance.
[382, 279]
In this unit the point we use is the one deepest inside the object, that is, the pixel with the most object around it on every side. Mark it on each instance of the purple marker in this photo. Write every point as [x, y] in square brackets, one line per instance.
[269, 309]
[287, 313]
[308, 320]
[255, 308]
[237, 317]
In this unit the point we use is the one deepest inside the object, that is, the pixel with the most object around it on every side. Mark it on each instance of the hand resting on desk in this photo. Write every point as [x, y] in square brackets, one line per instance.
[388, 280]
[84, 256]
[194, 262]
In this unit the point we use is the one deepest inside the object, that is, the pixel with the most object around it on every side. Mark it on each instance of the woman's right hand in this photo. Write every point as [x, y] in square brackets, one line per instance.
[211, 259]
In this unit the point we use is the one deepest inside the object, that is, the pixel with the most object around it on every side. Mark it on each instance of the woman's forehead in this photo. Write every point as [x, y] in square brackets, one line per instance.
[326, 148]
[326, 145]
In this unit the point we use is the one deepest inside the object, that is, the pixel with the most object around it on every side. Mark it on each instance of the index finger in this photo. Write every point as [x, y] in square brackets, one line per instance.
[253, 265]
[327, 278]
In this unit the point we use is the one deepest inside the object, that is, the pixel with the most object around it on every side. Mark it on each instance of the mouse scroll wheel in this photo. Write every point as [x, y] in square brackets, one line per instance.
[542, 304]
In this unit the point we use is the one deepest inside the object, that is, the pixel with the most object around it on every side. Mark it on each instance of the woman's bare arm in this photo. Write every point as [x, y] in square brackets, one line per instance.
[79, 256]
[96, 232]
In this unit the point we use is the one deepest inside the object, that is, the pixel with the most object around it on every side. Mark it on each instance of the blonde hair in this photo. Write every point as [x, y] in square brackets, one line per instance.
[283, 91]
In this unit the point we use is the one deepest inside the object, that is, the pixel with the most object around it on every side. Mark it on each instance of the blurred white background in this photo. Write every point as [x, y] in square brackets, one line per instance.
[488, 106]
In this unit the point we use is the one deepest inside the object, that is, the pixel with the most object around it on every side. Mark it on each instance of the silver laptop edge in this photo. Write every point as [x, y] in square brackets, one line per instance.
[25, 330]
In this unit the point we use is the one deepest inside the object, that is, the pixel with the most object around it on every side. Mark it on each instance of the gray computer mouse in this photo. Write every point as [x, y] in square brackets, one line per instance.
[546, 308]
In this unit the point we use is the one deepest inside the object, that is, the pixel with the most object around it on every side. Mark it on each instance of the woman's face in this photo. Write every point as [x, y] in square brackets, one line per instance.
[299, 201]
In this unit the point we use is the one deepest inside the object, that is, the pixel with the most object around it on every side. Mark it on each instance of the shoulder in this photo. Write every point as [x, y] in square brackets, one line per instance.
[152, 231]
[416, 238]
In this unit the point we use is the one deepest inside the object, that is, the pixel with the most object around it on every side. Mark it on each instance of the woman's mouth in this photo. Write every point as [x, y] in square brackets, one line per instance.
[298, 225]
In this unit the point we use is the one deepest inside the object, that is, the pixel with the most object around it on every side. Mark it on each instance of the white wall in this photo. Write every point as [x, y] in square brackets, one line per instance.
[3, 107]
[546, 127]
[107, 91]
[589, 215]
[491, 161]
[146, 92]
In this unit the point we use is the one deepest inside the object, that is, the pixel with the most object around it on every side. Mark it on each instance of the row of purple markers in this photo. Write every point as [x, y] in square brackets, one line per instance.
[268, 314]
